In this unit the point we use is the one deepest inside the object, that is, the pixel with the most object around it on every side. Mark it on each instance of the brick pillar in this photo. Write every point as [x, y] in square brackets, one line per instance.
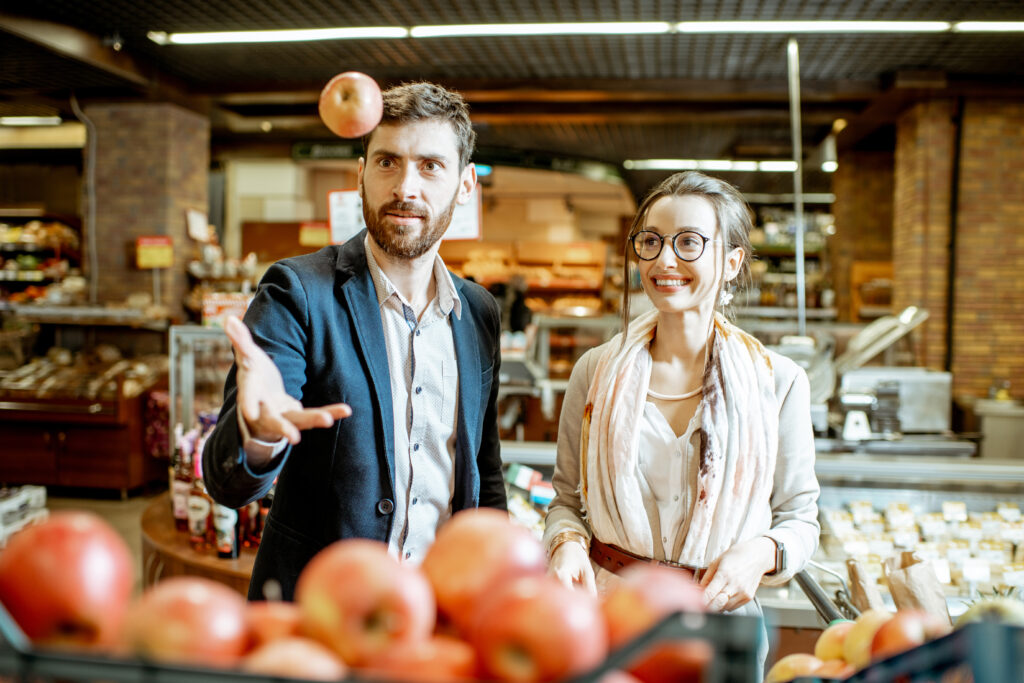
[152, 163]
[925, 140]
[863, 186]
[988, 324]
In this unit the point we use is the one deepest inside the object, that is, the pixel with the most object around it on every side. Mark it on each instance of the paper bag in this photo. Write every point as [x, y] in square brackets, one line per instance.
[914, 585]
[863, 592]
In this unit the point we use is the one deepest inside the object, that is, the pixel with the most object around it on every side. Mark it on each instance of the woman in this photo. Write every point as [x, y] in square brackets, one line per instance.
[683, 440]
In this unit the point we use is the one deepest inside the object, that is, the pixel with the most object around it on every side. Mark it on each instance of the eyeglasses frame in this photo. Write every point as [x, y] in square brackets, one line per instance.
[704, 246]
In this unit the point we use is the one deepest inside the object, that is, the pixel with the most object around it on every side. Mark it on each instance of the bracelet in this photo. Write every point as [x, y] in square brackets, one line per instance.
[563, 537]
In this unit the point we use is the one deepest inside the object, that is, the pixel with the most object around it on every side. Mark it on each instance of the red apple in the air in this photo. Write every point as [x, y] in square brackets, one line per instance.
[441, 659]
[536, 629]
[67, 581]
[907, 629]
[188, 620]
[295, 657]
[643, 596]
[269, 620]
[351, 104]
[361, 602]
[473, 550]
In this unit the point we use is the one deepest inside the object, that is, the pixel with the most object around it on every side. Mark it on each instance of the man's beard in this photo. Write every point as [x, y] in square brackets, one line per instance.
[399, 240]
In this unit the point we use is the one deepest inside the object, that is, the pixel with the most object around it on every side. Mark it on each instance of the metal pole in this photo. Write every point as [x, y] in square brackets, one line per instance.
[793, 53]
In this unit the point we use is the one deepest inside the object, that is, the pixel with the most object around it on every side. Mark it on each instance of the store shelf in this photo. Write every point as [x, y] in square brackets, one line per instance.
[785, 312]
[27, 276]
[85, 315]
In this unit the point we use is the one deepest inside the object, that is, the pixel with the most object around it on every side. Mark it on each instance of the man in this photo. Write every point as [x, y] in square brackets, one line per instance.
[395, 360]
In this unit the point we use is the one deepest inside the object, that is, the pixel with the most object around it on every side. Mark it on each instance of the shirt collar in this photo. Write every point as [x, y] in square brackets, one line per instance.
[447, 298]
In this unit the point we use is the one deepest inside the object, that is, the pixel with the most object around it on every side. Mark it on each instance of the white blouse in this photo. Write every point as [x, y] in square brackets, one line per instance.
[666, 464]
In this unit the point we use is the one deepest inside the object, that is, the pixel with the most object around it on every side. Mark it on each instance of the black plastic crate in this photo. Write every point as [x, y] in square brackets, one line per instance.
[734, 640]
[982, 652]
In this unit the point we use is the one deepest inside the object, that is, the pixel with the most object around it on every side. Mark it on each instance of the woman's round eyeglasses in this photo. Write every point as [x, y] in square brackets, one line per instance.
[688, 245]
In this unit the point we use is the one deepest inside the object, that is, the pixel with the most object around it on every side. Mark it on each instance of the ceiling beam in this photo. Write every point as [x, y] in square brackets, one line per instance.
[76, 44]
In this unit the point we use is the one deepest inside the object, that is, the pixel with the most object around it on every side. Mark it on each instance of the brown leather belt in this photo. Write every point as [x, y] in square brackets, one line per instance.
[615, 559]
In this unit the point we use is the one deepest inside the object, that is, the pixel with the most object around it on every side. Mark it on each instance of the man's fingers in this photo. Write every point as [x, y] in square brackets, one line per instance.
[309, 418]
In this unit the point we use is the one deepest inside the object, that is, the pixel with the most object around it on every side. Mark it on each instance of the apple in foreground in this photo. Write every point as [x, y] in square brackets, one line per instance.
[361, 602]
[643, 596]
[830, 643]
[440, 659]
[67, 581]
[857, 644]
[351, 104]
[188, 620]
[475, 549]
[536, 629]
[793, 666]
[295, 657]
[908, 629]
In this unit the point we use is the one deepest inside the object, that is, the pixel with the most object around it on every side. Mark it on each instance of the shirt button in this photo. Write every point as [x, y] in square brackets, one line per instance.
[415, 500]
[385, 506]
[675, 497]
[408, 554]
[415, 446]
[417, 333]
[419, 389]
[664, 539]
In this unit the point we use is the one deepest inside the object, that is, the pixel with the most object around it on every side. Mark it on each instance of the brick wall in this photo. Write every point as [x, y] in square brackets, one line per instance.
[988, 323]
[152, 163]
[988, 306]
[863, 211]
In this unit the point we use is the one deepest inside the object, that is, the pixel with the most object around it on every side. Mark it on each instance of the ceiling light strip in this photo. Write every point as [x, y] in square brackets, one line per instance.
[278, 36]
[812, 26]
[30, 120]
[580, 28]
[708, 165]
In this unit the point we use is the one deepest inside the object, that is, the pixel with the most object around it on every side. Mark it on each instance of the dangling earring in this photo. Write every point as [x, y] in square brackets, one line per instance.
[725, 296]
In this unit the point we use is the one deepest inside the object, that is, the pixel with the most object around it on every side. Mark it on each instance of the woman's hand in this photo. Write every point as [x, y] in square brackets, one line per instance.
[733, 578]
[570, 564]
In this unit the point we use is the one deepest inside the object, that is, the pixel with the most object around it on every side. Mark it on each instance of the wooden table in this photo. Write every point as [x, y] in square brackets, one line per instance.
[166, 552]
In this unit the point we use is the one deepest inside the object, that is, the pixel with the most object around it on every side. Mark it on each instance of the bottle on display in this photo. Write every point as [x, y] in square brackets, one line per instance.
[181, 479]
[200, 510]
[249, 520]
[226, 531]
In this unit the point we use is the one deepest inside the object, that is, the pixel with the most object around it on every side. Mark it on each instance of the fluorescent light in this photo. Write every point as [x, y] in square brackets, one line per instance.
[280, 36]
[988, 26]
[812, 26]
[829, 166]
[591, 28]
[781, 166]
[707, 165]
[30, 120]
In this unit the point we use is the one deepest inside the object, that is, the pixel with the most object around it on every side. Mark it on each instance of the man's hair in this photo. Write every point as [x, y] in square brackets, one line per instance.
[422, 101]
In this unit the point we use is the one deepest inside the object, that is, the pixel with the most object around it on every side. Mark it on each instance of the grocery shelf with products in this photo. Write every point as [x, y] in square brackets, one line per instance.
[40, 256]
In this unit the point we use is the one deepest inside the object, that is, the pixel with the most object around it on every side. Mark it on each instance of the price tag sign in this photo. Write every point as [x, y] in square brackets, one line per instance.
[156, 251]
[314, 234]
[466, 219]
[345, 214]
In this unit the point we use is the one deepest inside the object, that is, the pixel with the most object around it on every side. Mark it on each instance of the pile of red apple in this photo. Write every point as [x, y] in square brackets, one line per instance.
[845, 647]
[480, 607]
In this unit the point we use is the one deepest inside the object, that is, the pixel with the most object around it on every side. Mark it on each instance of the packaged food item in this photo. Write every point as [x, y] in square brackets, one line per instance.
[933, 526]
[861, 510]
[1009, 511]
[954, 511]
[898, 515]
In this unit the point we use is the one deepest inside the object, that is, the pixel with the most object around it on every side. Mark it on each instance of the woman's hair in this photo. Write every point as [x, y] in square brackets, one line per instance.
[734, 217]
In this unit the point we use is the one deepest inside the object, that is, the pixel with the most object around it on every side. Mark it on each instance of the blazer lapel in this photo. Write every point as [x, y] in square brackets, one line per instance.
[361, 298]
[467, 355]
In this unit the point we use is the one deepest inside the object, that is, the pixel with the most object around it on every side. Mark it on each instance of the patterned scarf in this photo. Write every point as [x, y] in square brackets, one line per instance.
[739, 443]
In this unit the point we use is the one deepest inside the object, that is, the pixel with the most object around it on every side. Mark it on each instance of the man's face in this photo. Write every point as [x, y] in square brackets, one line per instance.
[410, 183]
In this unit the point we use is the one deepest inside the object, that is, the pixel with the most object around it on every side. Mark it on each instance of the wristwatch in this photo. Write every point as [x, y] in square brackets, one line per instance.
[780, 556]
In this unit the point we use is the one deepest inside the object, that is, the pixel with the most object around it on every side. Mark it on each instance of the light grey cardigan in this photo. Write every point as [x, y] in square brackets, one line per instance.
[794, 518]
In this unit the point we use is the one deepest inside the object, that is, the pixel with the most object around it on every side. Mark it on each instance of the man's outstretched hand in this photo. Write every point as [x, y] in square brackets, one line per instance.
[269, 412]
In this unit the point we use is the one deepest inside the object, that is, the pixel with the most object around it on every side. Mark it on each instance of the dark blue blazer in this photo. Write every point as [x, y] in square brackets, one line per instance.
[317, 317]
